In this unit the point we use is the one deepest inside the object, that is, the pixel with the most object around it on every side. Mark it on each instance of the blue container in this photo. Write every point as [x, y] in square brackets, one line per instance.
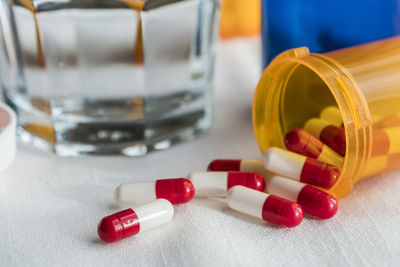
[325, 25]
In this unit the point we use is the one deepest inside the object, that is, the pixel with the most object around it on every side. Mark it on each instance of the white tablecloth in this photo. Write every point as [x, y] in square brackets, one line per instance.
[50, 206]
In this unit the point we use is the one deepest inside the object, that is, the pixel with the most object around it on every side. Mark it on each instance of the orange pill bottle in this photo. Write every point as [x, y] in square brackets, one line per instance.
[362, 81]
[240, 18]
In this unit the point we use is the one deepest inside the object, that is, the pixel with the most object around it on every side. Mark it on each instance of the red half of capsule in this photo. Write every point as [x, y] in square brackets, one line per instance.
[224, 165]
[4, 118]
[393, 161]
[380, 143]
[176, 191]
[334, 137]
[318, 173]
[301, 142]
[248, 179]
[282, 211]
[317, 202]
[118, 226]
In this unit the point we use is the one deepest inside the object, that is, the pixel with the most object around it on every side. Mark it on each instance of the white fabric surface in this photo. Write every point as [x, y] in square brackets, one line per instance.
[50, 206]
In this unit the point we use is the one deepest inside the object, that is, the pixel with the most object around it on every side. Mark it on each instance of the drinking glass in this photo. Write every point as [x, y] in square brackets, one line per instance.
[108, 76]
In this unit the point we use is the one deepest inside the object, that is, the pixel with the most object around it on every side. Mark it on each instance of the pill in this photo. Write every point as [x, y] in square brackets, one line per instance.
[4, 118]
[377, 164]
[393, 161]
[216, 184]
[176, 191]
[300, 168]
[331, 135]
[130, 222]
[265, 206]
[244, 165]
[313, 200]
[332, 115]
[301, 142]
[385, 141]
[374, 165]
[392, 120]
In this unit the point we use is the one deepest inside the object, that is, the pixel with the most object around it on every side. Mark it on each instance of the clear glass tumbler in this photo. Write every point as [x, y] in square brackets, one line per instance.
[108, 76]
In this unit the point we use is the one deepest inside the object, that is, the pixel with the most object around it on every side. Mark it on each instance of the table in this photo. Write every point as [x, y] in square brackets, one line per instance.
[50, 206]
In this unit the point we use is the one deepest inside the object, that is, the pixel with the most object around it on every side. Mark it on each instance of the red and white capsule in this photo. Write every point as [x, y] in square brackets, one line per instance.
[264, 206]
[331, 135]
[300, 168]
[216, 184]
[176, 191]
[313, 200]
[332, 115]
[130, 222]
[243, 165]
[392, 120]
[385, 141]
[301, 142]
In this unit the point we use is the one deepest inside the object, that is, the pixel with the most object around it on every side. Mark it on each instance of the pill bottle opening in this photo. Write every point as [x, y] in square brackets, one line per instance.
[296, 87]
[302, 88]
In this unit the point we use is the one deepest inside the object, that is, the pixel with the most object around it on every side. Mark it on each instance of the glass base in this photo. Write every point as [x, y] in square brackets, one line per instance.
[130, 128]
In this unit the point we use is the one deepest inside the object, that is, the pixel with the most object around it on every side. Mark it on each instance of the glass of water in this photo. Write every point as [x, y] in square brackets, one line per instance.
[108, 76]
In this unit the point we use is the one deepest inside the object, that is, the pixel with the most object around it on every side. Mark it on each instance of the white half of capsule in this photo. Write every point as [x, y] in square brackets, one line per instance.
[331, 157]
[332, 115]
[375, 165]
[133, 193]
[246, 200]
[284, 187]
[209, 184]
[153, 214]
[247, 165]
[315, 126]
[284, 162]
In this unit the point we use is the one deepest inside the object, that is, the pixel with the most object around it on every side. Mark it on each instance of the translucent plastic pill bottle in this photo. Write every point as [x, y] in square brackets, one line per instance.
[362, 81]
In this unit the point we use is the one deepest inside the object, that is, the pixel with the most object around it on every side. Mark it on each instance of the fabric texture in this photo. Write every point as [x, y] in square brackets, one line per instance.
[50, 206]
